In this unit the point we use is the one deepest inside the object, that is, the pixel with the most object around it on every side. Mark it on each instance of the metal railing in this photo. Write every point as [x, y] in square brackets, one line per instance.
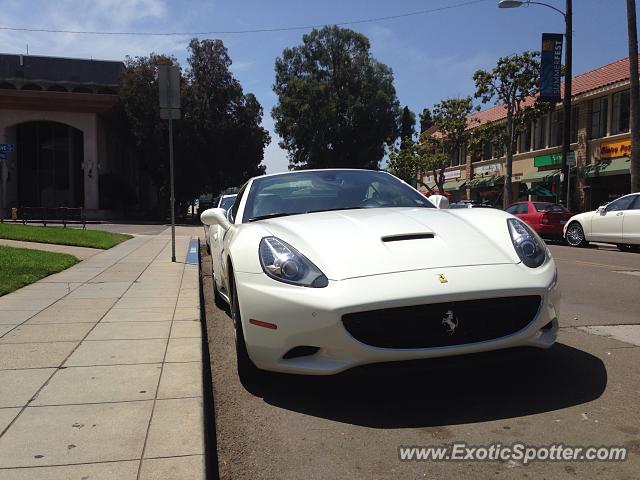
[64, 215]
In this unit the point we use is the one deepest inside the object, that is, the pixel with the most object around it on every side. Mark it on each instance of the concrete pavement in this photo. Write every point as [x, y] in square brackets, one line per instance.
[101, 368]
[81, 253]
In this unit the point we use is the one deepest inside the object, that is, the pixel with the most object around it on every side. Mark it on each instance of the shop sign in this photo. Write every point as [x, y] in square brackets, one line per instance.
[620, 148]
[447, 176]
[491, 168]
[553, 159]
[452, 174]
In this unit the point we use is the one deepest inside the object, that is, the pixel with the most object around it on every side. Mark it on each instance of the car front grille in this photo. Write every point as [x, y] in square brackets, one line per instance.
[442, 324]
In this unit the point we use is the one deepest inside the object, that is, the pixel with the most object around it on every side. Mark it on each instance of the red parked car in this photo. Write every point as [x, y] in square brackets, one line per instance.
[546, 218]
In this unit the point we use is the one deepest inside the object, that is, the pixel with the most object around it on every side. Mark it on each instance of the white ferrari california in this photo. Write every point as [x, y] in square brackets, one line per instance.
[325, 270]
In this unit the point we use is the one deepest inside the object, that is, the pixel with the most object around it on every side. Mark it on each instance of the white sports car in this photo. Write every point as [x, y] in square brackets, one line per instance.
[617, 222]
[325, 270]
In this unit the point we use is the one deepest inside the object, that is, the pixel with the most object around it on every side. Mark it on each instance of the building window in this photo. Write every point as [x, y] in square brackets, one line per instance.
[575, 113]
[620, 113]
[487, 151]
[540, 133]
[599, 107]
[556, 130]
[524, 140]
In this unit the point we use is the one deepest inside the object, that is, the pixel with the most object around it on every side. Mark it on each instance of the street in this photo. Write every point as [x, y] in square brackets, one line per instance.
[581, 392]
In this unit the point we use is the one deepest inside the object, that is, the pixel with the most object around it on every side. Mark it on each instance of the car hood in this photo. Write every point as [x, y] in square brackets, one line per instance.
[355, 243]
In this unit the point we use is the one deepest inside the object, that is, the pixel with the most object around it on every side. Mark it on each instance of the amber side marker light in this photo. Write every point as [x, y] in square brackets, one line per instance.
[260, 323]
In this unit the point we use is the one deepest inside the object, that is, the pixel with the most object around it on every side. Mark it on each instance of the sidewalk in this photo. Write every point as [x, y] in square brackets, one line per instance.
[81, 253]
[101, 368]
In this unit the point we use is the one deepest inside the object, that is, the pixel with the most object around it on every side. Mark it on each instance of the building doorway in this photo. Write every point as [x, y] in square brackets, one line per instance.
[50, 157]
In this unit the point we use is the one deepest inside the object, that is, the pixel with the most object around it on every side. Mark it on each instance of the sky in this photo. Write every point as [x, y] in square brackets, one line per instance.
[433, 55]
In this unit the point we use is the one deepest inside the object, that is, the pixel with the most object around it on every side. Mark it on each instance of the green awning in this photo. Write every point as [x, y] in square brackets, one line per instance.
[453, 185]
[540, 191]
[605, 168]
[539, 176]
[485, 182]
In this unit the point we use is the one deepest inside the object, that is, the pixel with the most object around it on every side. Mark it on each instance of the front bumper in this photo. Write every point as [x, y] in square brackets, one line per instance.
[313, 316]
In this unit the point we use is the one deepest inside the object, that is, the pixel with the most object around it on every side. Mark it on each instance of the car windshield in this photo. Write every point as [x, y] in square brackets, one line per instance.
[227, 202]
[322, 190]
[549, 207]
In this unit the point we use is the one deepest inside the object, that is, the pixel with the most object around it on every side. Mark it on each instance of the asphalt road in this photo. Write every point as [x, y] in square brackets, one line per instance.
[583, 391]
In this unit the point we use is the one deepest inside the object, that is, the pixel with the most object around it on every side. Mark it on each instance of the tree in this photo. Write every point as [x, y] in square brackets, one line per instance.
[222, 124]
[218, 142]
[512, 83]
[337, 105]
[634, 96]
[432, 158]
[402, 155]
[426, 121]
[450, 117]
[407, 124]
[139, 95]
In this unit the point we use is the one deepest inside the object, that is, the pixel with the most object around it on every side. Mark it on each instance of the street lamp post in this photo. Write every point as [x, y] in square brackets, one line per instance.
[566, 100]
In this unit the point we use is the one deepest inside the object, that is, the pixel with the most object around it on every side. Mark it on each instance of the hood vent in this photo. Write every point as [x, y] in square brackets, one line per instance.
[406, 236]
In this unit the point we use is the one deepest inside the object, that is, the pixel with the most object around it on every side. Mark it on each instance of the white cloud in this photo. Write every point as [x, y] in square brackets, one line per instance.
[97, 15]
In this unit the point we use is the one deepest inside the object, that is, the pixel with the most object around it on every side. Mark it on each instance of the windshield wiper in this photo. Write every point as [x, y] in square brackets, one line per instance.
[334, 209]
[273, 215]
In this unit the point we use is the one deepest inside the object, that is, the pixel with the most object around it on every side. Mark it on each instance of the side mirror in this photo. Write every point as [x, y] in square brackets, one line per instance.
[602, 209]
[215, 216]
[440, 201]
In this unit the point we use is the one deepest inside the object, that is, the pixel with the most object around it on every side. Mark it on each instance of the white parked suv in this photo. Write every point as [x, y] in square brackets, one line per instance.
[617, 222]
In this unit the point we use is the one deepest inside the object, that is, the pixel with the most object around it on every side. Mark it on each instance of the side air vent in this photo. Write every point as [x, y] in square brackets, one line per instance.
[407, 236]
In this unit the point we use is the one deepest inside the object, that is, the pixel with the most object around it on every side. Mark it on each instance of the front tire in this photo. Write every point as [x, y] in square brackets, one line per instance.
[247, 371]
[575, 235]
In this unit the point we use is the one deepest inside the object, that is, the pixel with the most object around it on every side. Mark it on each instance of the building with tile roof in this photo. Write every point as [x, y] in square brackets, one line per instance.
[600, 145]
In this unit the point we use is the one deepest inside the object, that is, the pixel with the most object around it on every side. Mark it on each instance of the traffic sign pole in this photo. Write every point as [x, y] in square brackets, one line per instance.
[173, 200]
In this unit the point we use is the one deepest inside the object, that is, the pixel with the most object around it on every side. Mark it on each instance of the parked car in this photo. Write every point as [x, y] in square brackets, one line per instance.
[469, 204]
[617, 222]
[325, 270]
[546, 218]
[225, 202]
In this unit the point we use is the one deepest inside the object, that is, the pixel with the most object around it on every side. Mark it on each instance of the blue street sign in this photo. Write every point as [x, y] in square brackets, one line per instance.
[7, 147]
[550, 67]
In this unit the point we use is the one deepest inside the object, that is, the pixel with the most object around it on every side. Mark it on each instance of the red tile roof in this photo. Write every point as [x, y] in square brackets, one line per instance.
[614, 72]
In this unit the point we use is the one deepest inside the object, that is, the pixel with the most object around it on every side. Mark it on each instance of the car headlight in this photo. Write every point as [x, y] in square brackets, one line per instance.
[284, 263]
[529, 246]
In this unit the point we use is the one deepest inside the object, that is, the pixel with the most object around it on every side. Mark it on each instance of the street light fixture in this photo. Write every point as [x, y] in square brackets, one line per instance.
[566, 100]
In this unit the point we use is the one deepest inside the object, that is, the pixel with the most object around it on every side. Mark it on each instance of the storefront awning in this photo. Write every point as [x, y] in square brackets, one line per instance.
[539, 176]
[540, 191]
[485, 182]
[605, 168]
[454, 185]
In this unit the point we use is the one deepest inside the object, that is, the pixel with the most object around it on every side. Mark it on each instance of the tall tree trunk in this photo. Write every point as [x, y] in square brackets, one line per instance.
[634, 122]
[507, 197]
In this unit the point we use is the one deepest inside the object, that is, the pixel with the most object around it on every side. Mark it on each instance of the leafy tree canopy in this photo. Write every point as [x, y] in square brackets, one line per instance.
[218, 141]
[337, 105]
[426, 120]
[513, 83]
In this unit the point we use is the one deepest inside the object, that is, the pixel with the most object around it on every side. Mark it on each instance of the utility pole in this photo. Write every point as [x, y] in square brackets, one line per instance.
[566, 104]
[634, 113]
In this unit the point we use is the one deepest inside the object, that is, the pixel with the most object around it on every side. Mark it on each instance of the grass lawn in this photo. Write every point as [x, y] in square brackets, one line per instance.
[20, 266]
[62, 236]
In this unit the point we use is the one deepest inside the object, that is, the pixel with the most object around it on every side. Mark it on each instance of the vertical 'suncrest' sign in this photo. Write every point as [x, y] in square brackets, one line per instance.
[551, 67]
